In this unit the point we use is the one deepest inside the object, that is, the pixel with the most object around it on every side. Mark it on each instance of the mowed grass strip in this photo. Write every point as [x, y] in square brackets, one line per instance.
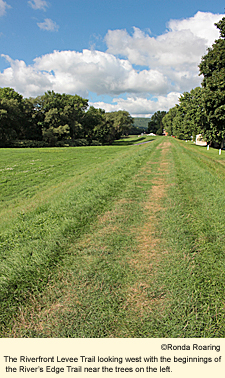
[38, 239]
[193, 227]
[149, 264]
[94, 292]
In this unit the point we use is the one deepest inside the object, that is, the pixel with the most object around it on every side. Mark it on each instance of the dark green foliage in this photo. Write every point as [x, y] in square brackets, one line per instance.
[212, 67]
[94, 125]
[11, 108]
[79, 142]
[136, 130]
[188, 118]
[121, 122]
[155, 124]
[24, 143]
[202, 110]
[60, 116]
[168, 120]
[31, 127]
[55, 119]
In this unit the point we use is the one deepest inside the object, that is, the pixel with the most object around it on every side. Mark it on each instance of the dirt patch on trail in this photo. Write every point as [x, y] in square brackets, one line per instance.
[140, 297]
[47, 314]
[41, 315]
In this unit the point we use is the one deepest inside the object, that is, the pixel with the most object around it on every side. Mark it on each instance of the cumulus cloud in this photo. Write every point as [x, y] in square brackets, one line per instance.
[102, 73]
[201, 26]
[169, 66]
[3, 7]
[38, 4]
[25, 79]
[176, 53]
[48, 25]
[75, 72]
[138, 106]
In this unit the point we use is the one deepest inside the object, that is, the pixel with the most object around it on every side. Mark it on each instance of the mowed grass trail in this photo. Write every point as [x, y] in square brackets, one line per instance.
[120, 241]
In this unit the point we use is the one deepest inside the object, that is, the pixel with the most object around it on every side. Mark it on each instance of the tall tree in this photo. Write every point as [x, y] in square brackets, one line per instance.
[155, 124]
[121, 122]
[189, 119]
[212, 67]
[93, 120]
[168, 120]
[60, 115]
[11, 114]
[32, 126]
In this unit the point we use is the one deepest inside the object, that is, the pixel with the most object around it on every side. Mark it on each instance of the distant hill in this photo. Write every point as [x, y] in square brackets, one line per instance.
[141, 122]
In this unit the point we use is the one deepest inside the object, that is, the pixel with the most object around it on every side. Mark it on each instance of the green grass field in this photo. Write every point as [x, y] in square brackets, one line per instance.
[117, 241]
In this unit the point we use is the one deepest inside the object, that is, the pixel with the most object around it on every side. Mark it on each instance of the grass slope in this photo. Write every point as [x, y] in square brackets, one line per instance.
[121, 241]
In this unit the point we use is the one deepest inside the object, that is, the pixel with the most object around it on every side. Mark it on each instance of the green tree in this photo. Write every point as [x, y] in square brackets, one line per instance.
[93, 120]
[52, 135]
[60, 113]
[168, 120]
[212, 67]
[155, 124]
[189, 116]
[11, 114]
[105, 132]
[31, 126]
[11, 94]
[55, 117]
[120, 123]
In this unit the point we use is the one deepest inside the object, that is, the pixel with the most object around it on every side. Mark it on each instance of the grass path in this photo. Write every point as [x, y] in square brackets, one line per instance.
[149, 262]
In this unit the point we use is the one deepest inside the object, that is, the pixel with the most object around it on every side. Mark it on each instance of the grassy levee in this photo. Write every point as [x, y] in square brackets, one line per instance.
[194, 230]
[126, 242]
[49, 198]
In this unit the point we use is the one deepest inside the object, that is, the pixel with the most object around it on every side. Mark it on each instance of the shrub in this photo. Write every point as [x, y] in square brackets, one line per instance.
[95, 143]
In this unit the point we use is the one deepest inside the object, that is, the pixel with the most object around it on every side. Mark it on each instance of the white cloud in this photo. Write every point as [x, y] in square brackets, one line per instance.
[201, 26]
[101, 72]
[176, 53]
[170, 66]
[138, 106]
[38, 4]
[25, 79]
[48, 25]
[75, 72]
[3, 7]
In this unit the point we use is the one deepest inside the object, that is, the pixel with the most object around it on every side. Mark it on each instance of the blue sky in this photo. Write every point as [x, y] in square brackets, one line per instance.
[120, 54]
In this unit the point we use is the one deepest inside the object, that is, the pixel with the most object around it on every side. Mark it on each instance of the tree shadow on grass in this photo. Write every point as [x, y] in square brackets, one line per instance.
[129, 141]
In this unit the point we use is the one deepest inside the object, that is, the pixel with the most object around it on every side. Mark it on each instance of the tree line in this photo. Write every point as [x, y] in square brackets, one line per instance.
[202, 110]
[55, 119]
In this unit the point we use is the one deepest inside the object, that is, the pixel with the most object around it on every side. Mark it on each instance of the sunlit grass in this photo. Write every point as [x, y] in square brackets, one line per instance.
[120, 241]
